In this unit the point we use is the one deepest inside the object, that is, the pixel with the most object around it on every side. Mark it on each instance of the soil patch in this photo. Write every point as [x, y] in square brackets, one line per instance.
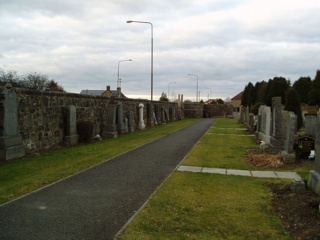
[298, 211]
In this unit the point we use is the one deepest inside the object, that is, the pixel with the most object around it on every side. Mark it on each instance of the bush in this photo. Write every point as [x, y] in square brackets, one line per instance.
[85, 131]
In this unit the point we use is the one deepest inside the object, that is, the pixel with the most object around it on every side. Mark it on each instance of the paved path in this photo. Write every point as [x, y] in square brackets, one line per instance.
[251, 173]
[96, 203]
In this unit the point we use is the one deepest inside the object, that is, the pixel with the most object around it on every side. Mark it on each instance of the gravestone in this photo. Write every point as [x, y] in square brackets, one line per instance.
[307, 145]
[155, 119]
[158, 114]
[241, 115]
[141, 121]
[310, 125]
[251, 125]
[121, 127]
[277, 139]
[131, 123]
[315, 175]
[110, 127]
[264, 124]
[288, 154]
[179, 108]
[172, 111]
[11, 146]
[163, 118]
[71, 138]
[150, 119]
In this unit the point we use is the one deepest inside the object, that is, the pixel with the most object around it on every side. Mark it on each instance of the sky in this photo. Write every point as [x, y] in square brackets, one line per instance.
[223, 44]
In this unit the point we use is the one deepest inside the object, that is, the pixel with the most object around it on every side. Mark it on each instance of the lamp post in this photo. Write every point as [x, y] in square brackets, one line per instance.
[169, 88]
[118, 70]
[197, 86]
[131, 21]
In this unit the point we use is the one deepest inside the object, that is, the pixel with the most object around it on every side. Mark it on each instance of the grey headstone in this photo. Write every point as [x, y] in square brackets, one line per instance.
[131, 123]
[277, 137]
[120, 124]
[150, 115]
[310, 125]
[71, 137]
[110, 127]
[10, 139]
[288, 154]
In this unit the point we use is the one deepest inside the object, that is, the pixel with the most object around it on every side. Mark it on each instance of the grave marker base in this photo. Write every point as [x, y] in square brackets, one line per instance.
[315, 182]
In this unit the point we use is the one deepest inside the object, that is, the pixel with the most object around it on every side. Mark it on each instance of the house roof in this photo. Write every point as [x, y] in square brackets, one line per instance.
[100, 92]
[238, 96]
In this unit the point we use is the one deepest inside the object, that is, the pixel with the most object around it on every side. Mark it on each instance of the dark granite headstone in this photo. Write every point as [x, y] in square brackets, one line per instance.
[307, 144]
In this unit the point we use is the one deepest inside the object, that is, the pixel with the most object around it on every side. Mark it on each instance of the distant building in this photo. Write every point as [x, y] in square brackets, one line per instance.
[105, 93]
[236, 102]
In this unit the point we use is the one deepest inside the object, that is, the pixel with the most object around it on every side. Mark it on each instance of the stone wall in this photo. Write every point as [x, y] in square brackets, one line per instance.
[198, 110]
[42, 115]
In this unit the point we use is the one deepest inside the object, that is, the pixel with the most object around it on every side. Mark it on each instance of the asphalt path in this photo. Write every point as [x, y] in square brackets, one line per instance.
[97, 203]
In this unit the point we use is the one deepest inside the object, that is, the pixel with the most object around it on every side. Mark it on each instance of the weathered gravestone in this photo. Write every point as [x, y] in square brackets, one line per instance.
[131, 123]
[310, 125]
[264, 118]
[288, 154]
[141, 120]
[180, 113]
[172, 112]
[71, 137]
[315, 175]
[121, 126]
[150, 119]
[110, 127]
[277, 138]
[10, 138]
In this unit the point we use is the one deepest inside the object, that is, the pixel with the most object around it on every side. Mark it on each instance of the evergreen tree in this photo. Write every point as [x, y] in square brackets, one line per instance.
[314, 95]
[303, 88]
[278, 88]
[164, 97]
[293, 104]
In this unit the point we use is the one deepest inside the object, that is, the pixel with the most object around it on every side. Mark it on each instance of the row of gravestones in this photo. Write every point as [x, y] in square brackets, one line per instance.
[11, 142]
[278, 128]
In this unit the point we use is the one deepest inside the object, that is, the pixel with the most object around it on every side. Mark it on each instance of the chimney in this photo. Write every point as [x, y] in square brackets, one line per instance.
[118, 91]
[108, 87]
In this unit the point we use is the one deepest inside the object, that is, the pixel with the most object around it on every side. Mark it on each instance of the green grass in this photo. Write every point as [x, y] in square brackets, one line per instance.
[22, 176]
[212, 206]
[220, 150]
[208, 206]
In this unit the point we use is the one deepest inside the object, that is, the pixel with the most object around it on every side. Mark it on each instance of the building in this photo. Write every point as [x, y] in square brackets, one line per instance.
[105, 93]
[236, 102]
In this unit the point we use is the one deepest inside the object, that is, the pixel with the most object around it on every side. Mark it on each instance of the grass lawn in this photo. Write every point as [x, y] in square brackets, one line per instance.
[207, 206]
[25, 175]
[223, 146]
[211, 206]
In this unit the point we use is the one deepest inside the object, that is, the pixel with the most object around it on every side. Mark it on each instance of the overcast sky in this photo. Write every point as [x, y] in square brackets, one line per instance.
[227, 43]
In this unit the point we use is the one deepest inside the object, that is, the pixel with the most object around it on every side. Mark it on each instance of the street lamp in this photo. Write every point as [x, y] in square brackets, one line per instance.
[131, 21]
[118, 70]
[197, 86]
[169, 88]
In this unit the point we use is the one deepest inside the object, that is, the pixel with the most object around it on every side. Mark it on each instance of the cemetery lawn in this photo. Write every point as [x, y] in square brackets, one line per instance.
[212, 206]
[208, 206]
[22, 176]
